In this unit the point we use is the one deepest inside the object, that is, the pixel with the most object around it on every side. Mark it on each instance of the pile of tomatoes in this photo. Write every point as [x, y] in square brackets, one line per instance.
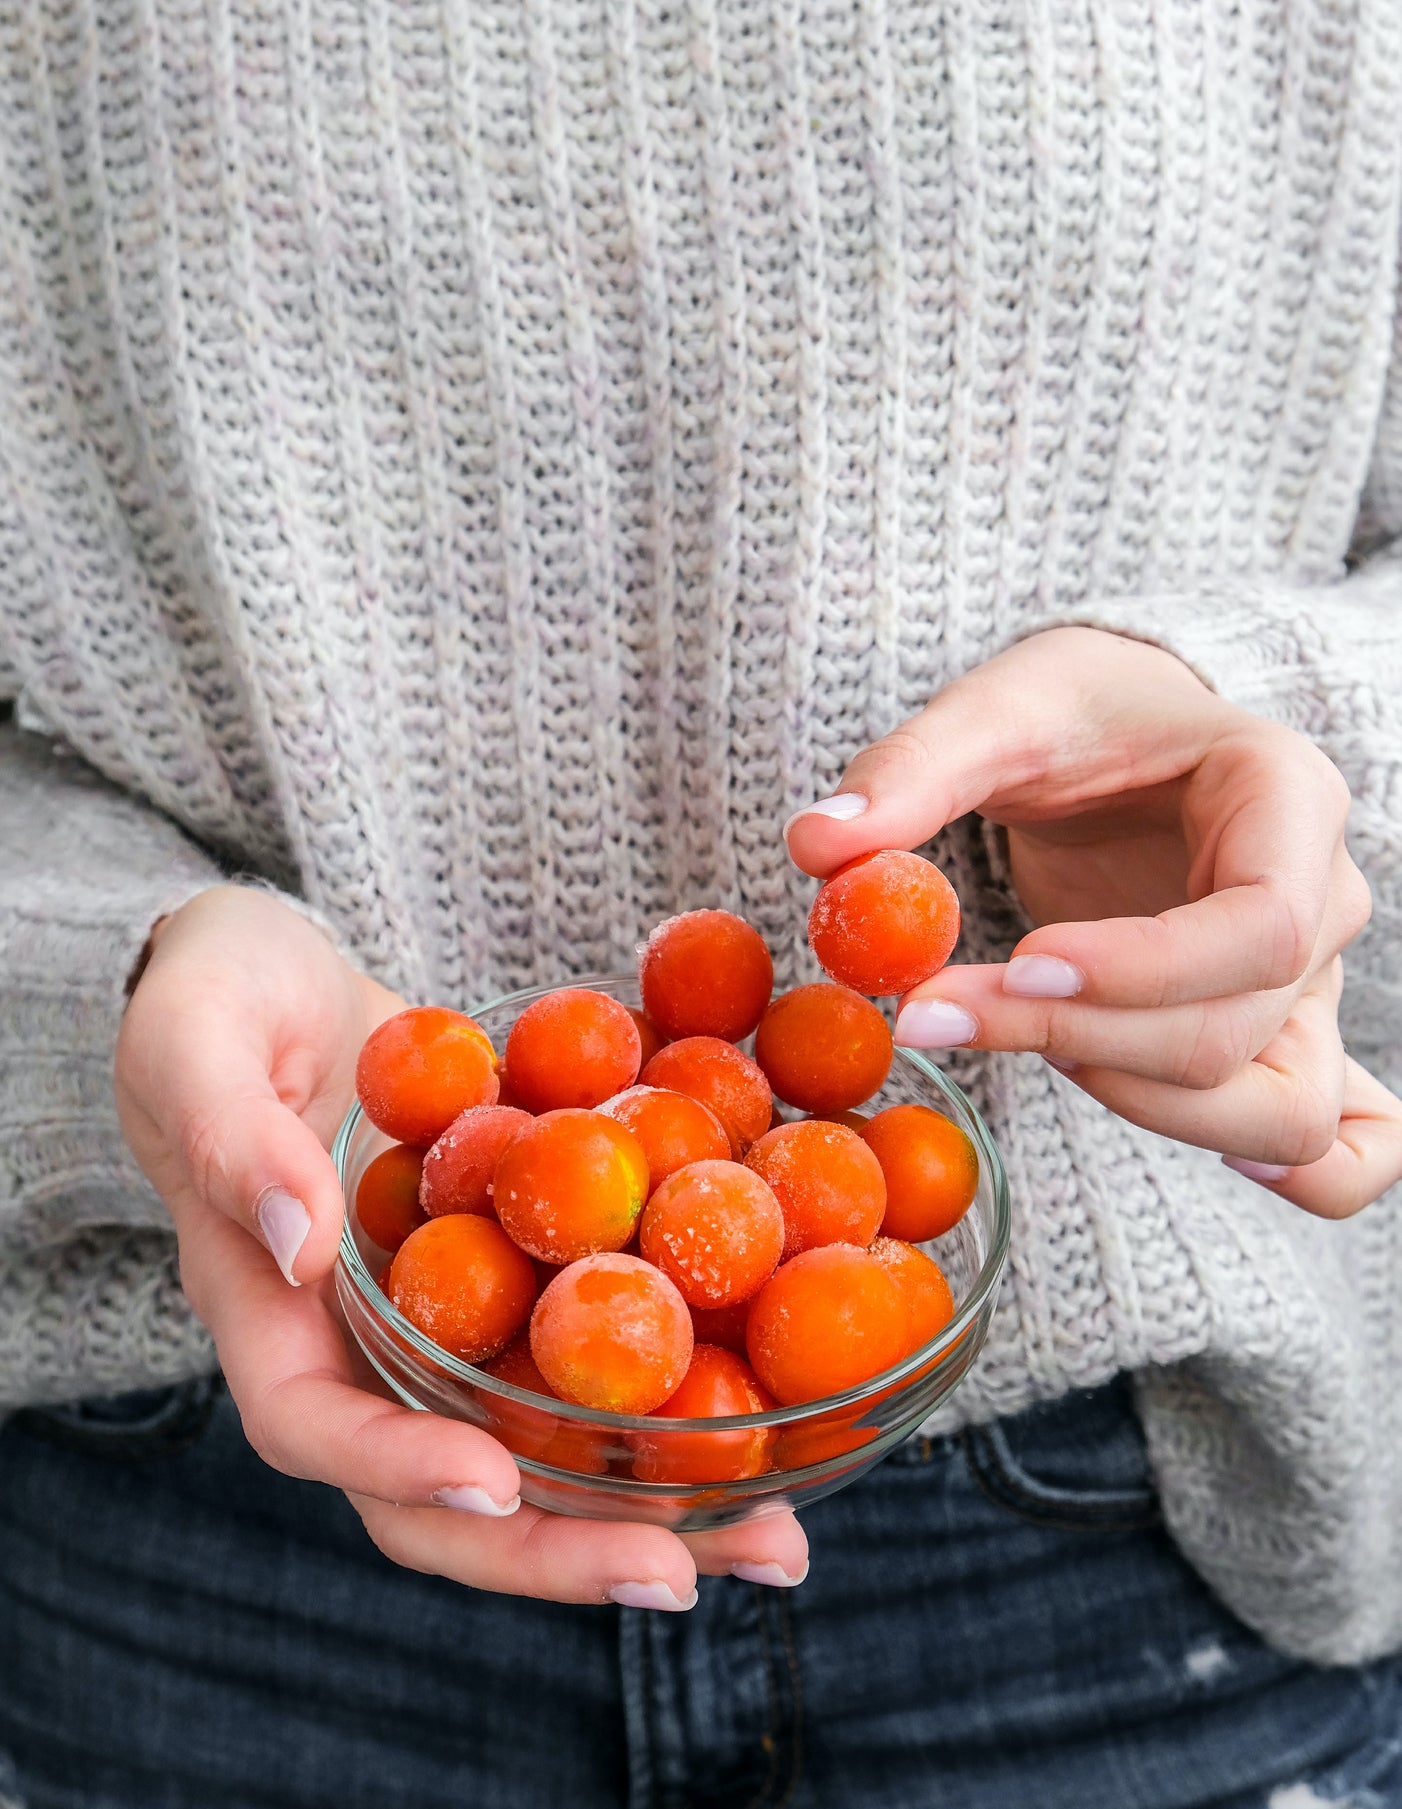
[617, 1214]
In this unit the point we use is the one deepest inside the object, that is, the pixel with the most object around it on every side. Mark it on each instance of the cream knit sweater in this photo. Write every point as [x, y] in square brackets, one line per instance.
[480, 464]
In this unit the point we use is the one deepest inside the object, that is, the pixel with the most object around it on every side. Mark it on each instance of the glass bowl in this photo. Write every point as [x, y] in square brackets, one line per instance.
[687, 1474]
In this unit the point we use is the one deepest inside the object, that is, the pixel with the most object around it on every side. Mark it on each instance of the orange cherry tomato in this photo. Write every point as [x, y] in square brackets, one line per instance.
[387, 1199]
[420, 1068]
[884, 923]
[464, 1284]
[931, 1170]
[574, 1047]
[571, 1183]
[717, 1385]
[824, 1048]
[612, 1332]
[705, 973]
[828, 1183]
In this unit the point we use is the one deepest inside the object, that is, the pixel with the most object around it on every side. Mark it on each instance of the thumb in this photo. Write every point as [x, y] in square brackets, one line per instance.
[1052, 721]
[961, 748]
[211, 1131]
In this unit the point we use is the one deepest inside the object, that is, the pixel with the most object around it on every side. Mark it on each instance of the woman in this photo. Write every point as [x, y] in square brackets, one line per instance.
[477, 472]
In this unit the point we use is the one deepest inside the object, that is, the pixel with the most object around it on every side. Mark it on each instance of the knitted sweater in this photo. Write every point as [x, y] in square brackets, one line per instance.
[481, 466]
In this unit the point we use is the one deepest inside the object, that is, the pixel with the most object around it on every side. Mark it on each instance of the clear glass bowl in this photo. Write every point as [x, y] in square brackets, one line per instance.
[575, 1460]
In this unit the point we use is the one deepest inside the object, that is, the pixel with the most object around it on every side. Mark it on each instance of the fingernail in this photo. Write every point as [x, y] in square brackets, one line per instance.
[774, 1576]
[284, 1222]
[842, 809]
[1042, 977]
[1265, 1172]
[650, 1595]
[934, 1024]
[1060, 1066]
[471, 1500]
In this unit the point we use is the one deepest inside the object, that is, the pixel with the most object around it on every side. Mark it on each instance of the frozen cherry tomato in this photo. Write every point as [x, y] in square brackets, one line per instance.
[931, 1170]
[884, 923]
[672, 1128]
[572, 1048]
[922, 1282]
[569, 1184]
[707, 973]
[464, 1284]
[827, 1182]
[387, 1199]
[650, 1037]
[717, 1385]
[716, 1229]
[721, 1077]
[611, 1332]
[825, 1322]
[458, 1169]
[422, 1067]
[824, 1048]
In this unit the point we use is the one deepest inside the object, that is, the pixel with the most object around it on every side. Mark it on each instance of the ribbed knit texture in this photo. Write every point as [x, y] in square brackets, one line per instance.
[483, 465]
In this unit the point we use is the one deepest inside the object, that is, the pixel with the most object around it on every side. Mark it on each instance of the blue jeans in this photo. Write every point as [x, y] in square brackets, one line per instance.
[996, 1621]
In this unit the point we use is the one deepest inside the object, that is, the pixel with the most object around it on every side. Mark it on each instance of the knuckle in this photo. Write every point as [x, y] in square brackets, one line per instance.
[1308, 1133]
[1218, 1049]
[204, 1137]
[1356, 904]
[1291, 948]
[904, 752]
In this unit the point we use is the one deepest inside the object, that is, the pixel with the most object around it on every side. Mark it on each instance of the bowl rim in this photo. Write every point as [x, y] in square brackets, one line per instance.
[922, 1358]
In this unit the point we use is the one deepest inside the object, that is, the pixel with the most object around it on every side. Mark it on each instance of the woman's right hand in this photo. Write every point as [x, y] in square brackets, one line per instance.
[235, 1065]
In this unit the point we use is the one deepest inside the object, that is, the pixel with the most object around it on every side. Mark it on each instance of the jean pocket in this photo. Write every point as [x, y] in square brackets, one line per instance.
[1077, 1465]
[133, 1428]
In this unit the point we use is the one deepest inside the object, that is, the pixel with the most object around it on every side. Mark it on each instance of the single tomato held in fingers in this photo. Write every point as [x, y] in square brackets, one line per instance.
[884, 923]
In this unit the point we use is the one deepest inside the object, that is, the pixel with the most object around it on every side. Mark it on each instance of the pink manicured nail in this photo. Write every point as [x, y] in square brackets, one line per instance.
[1265, 1172]
[842, 809]
[1061, 1067]
[468, 1499]
[650, 1595]
[774, 1576]
[284, 1223]
[934, 1024]
[1042, 977]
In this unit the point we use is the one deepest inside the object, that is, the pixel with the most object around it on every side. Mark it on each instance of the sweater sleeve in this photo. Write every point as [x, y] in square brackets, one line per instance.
[1326, 661]
[89, 1294]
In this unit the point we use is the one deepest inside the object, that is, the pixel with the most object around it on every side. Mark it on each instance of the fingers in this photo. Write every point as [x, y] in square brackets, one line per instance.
[1062, 716]
[1285, 898]
[219, 1134]
[1364, 1160]
[288, 1369]
[548, 1556]
[1199, 1045]
[1283, 1108]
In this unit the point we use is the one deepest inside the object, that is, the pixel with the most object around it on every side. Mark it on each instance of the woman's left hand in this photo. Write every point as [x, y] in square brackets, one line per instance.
[1185, 862]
